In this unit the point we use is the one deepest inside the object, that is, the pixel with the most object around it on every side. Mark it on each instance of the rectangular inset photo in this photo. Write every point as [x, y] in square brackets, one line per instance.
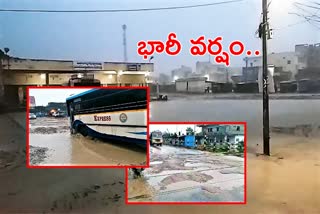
[192, 163]
[87, 127]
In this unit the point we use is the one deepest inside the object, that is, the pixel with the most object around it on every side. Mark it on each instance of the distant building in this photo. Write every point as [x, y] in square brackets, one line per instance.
[223, 133]
[214, 72]
[192, 84]
[182, 72]
[285, 63]
[308, 55]
[32, 103]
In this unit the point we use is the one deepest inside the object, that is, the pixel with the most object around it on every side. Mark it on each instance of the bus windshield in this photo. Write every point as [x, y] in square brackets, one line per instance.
[157, 135]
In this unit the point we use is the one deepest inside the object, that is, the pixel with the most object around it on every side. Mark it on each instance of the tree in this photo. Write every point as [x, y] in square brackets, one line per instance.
[241, 147]
[190, 131]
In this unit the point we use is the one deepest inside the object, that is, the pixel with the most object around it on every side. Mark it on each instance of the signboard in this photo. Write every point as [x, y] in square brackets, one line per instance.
[133, 67]
[87, 65]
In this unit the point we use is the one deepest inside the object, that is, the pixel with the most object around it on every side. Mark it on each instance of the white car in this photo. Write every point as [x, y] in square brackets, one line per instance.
[32, 116]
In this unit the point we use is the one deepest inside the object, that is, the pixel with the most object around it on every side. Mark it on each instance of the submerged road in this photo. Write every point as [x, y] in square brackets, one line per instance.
[52, 144]
[178, 174]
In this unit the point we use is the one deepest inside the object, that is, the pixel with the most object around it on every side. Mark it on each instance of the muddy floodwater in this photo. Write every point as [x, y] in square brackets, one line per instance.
[178, 174]
[52, 144]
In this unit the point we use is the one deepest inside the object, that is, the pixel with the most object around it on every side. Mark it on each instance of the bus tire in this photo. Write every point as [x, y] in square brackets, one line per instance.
[83, 130]
[72, 131]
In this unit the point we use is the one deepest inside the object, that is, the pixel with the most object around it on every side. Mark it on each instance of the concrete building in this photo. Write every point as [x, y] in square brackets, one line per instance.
[214, 72]
[18, 73]
[182, 72]
[285, 63]
[308, 76]
[223, 133]
[308, 55]
[192, 84]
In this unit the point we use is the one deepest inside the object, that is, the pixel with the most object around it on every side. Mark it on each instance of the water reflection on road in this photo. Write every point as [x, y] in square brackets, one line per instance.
[61, 148]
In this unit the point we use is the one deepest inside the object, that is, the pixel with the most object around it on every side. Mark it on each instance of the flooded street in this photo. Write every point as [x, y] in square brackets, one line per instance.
[185, 175]
[52, 144]
[283, 113]
[288, 182]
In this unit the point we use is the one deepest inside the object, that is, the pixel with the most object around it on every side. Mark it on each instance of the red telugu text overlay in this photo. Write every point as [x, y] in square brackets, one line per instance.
[199, 48]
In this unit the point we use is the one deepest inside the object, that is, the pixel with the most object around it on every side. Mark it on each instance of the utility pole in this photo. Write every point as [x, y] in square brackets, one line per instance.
[266, 135]
[246, 71]
[124, 28]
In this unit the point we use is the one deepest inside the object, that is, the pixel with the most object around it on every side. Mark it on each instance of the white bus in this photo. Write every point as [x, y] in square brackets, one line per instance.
[117, 115]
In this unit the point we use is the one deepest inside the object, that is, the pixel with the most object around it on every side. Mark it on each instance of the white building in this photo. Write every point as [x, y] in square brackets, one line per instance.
[192, 84]
[288, 61]
[214, 72]
[308, 55]
[182, 72]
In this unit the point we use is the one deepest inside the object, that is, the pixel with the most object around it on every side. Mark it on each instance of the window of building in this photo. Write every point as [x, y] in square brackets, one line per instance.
[209, 129]
[289, 62]
[217, 129]
[238, 128]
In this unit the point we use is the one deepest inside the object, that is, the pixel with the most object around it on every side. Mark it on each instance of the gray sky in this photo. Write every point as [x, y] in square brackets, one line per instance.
[173, 128]
[43, 96]
[98, 37]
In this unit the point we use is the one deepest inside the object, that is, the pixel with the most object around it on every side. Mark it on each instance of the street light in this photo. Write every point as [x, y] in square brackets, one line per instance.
[6, 50]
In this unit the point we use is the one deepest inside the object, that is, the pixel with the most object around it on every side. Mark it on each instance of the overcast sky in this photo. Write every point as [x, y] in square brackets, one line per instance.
[44, 96]
[173, 128]
[98, 37]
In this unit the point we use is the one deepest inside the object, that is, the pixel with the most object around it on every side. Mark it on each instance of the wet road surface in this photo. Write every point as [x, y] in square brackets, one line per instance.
[179, 174]
[288, 182]
[52, 144]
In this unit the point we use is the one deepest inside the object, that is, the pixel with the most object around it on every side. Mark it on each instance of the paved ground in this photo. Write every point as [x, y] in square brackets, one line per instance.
[180, 174]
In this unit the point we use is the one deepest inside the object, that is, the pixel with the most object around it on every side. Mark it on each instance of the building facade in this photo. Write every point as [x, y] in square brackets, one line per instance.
[192, 84]
[182, 72]
[18, 73]
[214, 72]
[223, 133]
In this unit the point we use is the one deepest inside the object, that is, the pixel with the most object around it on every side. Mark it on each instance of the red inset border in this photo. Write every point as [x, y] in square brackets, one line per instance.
[196, 203]
[84, 166]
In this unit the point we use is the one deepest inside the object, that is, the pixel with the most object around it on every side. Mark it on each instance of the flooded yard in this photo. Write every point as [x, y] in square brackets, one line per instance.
[184, 175]
[52, 144]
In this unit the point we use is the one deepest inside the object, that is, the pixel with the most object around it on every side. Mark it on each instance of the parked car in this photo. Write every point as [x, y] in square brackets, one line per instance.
[32, 116]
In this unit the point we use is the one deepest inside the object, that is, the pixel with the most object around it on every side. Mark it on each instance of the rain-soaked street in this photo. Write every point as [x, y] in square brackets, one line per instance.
[52, 144]
[178, 174]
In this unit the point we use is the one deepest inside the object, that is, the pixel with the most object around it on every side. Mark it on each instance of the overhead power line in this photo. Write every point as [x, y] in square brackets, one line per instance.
[117, 10]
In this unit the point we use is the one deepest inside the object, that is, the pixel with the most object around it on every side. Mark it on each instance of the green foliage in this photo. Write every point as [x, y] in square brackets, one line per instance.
[241, 147]
[190, 131]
